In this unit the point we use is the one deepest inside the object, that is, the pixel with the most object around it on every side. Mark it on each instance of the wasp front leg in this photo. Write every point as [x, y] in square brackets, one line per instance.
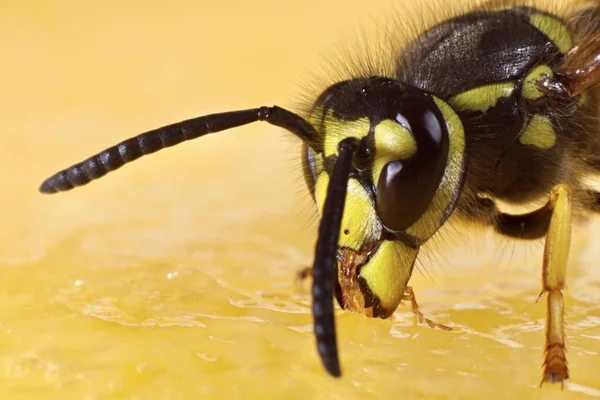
[409, 295]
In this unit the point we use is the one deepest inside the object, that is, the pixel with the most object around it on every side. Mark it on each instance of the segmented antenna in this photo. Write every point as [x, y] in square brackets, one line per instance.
[146, 143]
[325, 268]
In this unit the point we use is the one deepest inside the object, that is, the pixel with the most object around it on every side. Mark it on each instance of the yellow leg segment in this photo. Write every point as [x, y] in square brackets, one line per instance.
[409, 294]
[556, 255]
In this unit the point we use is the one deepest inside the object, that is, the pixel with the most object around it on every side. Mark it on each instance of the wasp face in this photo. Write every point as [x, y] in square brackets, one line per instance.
[398, 192]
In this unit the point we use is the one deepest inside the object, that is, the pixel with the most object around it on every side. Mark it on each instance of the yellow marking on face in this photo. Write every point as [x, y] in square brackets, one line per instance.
[388, 272]
[393, 142]
[530, 89]
[360, 224]
[482, 98]
[335, 130]
[554, 29]
[435, 216]
[539, 133]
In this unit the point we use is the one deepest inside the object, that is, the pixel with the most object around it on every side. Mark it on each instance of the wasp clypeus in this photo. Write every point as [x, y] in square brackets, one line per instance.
[496, 104]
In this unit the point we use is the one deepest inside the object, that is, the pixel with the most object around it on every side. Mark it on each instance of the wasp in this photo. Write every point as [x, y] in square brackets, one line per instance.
[494, 105]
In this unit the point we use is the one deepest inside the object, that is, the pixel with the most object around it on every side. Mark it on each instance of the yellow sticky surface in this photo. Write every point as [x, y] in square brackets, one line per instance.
[173, 277]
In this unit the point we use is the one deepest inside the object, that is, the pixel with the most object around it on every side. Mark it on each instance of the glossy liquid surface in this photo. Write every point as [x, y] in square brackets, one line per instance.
[174, 277]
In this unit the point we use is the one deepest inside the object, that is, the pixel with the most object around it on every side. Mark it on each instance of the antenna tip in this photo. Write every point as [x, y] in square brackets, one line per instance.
[334, 369]
[47, 187]
[330, 359]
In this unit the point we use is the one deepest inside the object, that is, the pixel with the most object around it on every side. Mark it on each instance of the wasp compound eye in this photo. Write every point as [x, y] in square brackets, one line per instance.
[407, 185]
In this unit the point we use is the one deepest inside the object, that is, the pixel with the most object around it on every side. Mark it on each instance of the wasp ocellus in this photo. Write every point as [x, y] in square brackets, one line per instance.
[494, 105]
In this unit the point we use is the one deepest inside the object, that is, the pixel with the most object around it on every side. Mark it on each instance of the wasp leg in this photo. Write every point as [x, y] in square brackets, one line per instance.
[556, 255]
[533, 225]
[554, 221]
[409, 294]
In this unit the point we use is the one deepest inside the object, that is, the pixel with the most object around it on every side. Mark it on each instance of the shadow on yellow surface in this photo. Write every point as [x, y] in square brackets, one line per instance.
[173, 278]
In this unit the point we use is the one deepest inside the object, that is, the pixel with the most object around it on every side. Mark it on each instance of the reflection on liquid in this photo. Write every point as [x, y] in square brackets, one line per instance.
[174, 278]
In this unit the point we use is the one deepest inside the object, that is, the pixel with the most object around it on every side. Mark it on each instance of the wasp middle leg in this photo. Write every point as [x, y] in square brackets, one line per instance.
[553, 220]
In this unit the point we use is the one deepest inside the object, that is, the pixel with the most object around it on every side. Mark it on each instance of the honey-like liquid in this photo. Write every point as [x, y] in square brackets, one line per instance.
[173, 278]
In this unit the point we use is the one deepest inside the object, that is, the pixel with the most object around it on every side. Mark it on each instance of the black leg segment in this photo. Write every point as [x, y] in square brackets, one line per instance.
[532, 225]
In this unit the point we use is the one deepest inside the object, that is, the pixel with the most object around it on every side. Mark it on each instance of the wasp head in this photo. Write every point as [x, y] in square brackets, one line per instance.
[405, 177]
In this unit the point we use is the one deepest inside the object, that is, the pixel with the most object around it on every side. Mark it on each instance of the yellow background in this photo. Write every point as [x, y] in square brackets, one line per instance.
[174, 277]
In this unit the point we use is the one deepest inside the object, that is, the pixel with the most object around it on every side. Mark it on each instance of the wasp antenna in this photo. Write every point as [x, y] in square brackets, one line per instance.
[324, 268]
[146, 143]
